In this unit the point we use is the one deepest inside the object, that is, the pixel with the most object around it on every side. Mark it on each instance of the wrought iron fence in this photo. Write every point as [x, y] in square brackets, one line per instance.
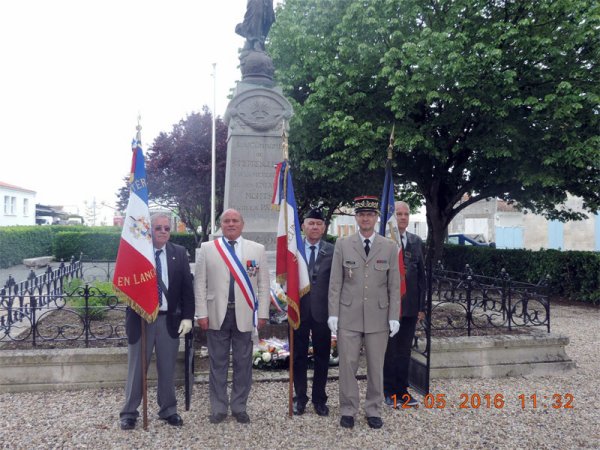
[60, 306]
[469, 302]
[40, 309]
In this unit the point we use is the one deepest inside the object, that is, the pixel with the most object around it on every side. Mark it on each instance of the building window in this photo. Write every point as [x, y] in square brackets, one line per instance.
[25, 207]
[10, 205]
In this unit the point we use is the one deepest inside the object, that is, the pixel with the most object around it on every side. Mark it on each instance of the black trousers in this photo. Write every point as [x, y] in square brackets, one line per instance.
[397, 359]
[321, 340]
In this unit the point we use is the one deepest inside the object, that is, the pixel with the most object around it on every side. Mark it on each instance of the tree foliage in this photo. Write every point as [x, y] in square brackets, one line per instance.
[178, 170]
[489, 98]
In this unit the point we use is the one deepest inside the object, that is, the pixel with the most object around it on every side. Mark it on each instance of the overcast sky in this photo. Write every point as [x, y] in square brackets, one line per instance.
[75, 74]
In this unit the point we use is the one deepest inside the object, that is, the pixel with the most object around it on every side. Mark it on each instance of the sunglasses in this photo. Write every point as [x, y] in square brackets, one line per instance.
[161, 228]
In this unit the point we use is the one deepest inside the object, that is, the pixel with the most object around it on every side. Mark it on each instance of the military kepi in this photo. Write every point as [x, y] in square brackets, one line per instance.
[366, 203]
[314, 214]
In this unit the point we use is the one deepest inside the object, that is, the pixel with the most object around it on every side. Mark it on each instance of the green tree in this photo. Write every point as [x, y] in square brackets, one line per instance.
[490, 98]
[178, 169]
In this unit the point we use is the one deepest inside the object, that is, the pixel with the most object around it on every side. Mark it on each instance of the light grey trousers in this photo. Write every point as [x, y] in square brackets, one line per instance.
[219, 343]
[157, 338]
[349, 345]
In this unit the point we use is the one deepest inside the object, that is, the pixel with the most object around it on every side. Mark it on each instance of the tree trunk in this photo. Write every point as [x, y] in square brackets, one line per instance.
[437, 223]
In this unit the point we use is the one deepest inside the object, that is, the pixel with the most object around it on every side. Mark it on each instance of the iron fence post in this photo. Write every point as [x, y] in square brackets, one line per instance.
[86, 323]
[469, 280]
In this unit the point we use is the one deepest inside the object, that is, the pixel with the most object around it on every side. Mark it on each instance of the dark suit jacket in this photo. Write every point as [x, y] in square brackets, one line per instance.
[180, 297]
[315, 302]
[414, 299]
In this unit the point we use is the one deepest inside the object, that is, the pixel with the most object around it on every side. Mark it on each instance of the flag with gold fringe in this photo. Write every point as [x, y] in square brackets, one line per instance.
[135, 269]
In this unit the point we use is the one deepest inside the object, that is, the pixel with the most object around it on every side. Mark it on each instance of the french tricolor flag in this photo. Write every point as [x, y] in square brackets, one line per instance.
[291, 266]
[135, 269]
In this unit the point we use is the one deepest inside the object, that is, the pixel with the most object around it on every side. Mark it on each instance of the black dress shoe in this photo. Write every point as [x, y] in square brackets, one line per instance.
[321, 409]
[242, 417]
[375, 422]
[217, 417]
[347, 421]
[174, 420]
[127, 424]
[299, 408]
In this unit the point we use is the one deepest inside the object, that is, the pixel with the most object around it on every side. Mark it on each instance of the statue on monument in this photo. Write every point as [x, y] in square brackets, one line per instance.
[256, 25]
[255, 64]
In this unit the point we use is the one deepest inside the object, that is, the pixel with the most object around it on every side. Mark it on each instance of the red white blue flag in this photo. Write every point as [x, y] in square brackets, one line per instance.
[388, 219]
[135, 270]
[291, 266]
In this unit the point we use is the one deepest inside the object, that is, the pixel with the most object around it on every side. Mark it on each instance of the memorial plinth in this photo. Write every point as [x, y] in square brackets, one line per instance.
[255, 117]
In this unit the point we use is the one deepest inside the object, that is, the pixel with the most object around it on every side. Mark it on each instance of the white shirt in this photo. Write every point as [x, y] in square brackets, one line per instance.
[370, 238]
[237, 247]
[164, 275]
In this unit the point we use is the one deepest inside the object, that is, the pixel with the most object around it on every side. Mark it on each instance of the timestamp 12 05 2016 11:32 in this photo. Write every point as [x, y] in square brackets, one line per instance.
[489, 401]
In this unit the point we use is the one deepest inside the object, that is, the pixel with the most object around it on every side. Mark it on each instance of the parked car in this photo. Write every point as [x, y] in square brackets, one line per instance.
[470, 239]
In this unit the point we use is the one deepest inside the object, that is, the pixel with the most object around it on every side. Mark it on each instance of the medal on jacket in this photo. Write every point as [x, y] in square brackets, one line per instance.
[348, 264]
[251, 267]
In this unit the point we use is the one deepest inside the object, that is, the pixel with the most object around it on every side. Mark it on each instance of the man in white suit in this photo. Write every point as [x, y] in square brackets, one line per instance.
[232, 297]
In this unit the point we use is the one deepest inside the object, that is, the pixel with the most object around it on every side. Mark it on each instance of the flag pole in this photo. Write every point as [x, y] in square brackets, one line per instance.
[390, 148]
[143, 328]
[213, 188]
[284, 149]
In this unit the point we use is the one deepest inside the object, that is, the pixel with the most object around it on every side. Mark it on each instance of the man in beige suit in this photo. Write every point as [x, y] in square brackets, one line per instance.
[231, 286]
[364, 304]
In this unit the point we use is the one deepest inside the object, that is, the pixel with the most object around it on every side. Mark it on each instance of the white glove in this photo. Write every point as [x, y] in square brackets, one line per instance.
[185, 326]
[332, 323]
[394, 327]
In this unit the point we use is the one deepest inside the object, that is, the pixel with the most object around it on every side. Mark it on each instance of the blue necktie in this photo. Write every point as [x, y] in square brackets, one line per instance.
[158, 275]
[231, 296]
[311, 261]
[367, 246]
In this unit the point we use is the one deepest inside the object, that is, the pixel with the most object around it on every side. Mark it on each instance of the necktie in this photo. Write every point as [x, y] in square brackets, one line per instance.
[158, 274]
[402, 268]
[367, 246]
[311, 261]
[231, 296]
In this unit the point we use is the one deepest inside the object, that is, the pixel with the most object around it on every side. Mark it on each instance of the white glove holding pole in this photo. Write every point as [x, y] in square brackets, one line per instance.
[332, 323]
[185, 326]
[394, 327]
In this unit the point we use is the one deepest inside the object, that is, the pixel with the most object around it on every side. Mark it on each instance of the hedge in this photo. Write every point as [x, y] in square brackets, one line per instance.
[93, 245]
[104, 245]
[20, 242]
[573, 274]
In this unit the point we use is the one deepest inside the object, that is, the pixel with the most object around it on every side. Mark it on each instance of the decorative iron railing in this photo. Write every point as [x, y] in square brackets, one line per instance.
[470, 303]
[41, 309]
[50, 308]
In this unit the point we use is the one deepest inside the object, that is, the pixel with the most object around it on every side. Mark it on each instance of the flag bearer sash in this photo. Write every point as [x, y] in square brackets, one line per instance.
[240, 276]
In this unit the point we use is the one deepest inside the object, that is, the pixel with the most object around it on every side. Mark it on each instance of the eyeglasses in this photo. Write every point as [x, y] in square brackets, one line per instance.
[160, 228]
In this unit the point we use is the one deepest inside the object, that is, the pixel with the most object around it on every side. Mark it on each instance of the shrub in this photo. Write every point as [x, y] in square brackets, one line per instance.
[573, 274]
[17, 243]
[94, 245]
[187, 240]
[98, 300]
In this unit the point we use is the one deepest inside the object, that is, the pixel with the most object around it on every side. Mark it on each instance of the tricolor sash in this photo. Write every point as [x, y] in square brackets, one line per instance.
[240, 276]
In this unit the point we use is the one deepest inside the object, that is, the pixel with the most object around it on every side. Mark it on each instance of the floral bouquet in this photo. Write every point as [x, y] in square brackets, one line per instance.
[271, 354]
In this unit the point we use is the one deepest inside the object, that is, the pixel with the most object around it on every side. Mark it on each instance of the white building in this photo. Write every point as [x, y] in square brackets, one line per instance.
[18, 205]
[345, 224]
[508, 227]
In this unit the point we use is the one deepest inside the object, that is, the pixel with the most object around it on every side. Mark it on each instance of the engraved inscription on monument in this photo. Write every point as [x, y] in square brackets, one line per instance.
[250, 179]
[255, 117]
